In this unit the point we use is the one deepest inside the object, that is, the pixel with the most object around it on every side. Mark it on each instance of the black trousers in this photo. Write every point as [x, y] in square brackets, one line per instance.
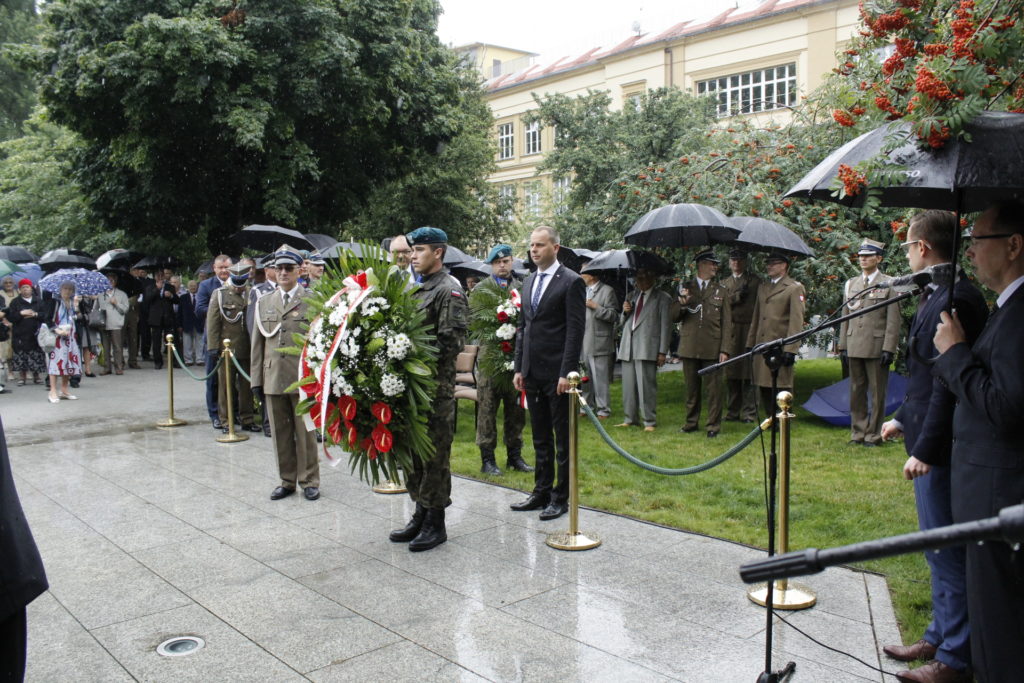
[158, 340]
[549, 418]
[13, 640]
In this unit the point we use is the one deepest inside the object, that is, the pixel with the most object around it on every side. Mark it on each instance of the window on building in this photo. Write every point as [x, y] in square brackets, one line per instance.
[753, 91]
[507, 201]
[560, 194]
[532, 199]
[506, 140]
[495, 68]
[531, 141]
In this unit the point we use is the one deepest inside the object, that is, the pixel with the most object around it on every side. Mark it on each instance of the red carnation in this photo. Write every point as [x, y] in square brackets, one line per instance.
[502, 317]
[506, 346]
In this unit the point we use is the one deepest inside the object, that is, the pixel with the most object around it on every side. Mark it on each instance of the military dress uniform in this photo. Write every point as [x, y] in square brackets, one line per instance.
[490, 398]
[778, 312]
[704, 333]
[742, 292]
[443, 301]
[257, 292]
[274, 371]
[225, 319]
[869, 342]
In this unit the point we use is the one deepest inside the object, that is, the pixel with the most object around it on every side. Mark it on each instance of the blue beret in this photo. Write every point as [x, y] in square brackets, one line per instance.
[286, 255]
[497, 252]
[426, 235]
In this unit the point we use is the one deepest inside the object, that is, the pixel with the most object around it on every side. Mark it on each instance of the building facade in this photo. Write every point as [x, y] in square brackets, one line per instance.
[756, 62]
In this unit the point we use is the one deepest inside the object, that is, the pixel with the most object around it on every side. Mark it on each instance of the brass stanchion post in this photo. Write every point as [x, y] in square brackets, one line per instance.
[230, 437]
[171, 421]
[573, 539]
[786, 595]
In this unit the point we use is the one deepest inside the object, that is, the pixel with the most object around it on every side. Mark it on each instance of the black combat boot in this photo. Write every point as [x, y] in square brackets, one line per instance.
[516, 462]
[411, 529]
[433, 532]
[489, 466]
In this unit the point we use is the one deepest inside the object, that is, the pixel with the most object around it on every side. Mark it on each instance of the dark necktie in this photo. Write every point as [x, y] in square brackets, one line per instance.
[639, 308]
[285, 296]
[923, 299]
[538, 289]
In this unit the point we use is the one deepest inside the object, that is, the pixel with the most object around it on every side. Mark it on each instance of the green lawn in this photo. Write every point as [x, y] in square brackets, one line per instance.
[839, 494]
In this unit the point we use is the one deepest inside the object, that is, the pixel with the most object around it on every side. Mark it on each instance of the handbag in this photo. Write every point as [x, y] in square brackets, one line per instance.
[46, 338]
[97, 317]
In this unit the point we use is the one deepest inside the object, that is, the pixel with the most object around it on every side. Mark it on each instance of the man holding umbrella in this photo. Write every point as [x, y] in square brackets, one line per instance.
[741, 287]
[778, 313]
[501, 281]
[704, 338]
[869, 344]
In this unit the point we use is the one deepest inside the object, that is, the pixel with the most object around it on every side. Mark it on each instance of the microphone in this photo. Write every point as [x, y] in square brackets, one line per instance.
[940, 274]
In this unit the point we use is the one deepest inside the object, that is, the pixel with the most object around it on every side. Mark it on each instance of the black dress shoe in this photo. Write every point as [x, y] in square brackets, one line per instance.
[217, 424]
[281, 492]
[252, 428]
[553, 511]
[535, 502]
[311, 492]
[687, 430]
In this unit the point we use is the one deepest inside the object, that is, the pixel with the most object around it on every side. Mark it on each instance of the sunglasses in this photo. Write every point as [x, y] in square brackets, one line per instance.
[287, 269]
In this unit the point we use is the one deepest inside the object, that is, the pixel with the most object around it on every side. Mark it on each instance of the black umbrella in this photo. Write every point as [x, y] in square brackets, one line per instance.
[270, 237]
[961, 176]
[613, 260]
[681, 225]
[206, 267]
[567, 256]
[321, 242]
[17, 254]
[454, 256]
[153, 262]
[118, 259]
[760, 234]
[55, 259]
[474, 268]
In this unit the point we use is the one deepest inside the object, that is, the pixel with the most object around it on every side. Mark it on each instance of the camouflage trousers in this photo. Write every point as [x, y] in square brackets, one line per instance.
[430, 482]
[488, 401]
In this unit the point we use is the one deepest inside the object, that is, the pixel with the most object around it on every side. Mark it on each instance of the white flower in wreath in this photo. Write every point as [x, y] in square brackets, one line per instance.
[506, 331]
[391, 385]
[510, 365]
[337, 316]
[399, 346]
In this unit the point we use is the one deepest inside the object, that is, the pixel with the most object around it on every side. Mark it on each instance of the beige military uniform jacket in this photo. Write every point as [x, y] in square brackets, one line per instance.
[869, 335]
[742, 297]
[706, 332]
[225, 319]
[275, 324]
[778, 312]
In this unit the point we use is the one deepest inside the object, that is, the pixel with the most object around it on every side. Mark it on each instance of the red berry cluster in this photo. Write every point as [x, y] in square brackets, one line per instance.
[929, 84]
[843, 117]
[853, 181]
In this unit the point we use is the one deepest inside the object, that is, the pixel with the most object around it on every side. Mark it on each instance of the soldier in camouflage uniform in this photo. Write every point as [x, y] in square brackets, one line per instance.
[489, 397]
[742, 287]
[225, 319]
[442, 299]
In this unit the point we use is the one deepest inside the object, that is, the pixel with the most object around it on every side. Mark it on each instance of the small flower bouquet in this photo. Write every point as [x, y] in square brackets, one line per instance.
[494, 315]
[367, 367]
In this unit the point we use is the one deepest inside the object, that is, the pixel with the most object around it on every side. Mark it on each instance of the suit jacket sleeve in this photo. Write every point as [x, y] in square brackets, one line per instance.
[796, 315]
[521, 324]
[893, 322]
[203, 297]
[607, 305]
[997, 392]
[575, 321]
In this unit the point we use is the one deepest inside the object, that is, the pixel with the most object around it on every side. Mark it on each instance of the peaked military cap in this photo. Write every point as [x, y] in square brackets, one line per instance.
[707, 255]
[426, 235]
[776, 256]
[287, 255]
[871, 248]
[316, 258]
[737, 254]
[498, 251]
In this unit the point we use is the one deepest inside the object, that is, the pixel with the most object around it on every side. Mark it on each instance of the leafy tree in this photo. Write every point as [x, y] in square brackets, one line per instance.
[18, 30]
[200, 116]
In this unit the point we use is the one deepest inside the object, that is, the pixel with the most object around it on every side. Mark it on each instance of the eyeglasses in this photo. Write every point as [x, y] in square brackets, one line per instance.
[402, 251]
[286, 268]
[971, 238]
[905, 246]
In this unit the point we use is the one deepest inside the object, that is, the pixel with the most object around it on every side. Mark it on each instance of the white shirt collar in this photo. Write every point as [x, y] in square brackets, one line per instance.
[1008, 292]
[776, 280]
[292, 291]
[871, 278]
[550, 270]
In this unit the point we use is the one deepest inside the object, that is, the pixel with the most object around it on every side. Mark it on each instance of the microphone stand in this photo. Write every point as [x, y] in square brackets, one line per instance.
[1008, 526]
[773, 359]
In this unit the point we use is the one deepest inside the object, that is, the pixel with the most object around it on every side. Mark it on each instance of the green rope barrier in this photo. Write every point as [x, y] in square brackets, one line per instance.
[184, 367]
[674, 472]
[238, 367]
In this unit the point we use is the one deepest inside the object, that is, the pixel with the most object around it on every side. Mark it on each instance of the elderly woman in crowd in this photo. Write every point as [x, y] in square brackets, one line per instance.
[25, 313]
[8, 293]
[114, 304]
[65, 360]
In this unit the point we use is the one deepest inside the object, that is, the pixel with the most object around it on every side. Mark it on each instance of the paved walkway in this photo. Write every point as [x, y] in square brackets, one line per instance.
[150, 533]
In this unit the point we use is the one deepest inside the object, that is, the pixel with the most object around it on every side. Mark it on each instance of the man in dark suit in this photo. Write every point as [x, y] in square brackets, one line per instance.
[221, 270]
[191, 326]
[548, 344]
[160, 299]
[925, 419]
[988, 450]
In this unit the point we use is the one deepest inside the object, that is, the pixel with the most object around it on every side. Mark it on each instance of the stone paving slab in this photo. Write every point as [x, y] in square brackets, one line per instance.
[148, 533]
